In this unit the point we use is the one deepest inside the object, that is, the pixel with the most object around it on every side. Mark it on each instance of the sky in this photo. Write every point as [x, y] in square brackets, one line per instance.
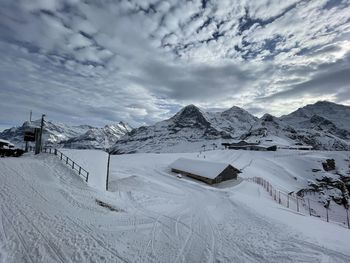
[102, 61]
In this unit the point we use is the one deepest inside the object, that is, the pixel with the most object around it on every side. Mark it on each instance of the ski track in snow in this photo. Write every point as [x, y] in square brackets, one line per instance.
[48, 214]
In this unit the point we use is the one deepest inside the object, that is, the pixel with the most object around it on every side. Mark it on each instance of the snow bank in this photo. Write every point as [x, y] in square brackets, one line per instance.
[95, 162]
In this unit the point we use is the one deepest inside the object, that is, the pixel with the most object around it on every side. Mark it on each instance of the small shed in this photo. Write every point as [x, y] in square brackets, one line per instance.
[6, 144]
[205, 171]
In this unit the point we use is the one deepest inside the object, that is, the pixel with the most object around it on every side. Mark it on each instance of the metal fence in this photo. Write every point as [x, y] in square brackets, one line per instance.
[68, 161]
[330, 212]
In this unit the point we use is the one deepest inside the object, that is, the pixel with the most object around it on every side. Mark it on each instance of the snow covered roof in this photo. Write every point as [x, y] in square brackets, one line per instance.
[6, 142]
[198, 167]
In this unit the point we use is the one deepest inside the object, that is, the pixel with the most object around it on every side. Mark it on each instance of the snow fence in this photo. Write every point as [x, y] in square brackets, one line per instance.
[330, 212]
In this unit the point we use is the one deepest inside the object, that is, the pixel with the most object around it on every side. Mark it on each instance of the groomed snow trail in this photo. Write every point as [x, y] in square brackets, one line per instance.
[48, 214]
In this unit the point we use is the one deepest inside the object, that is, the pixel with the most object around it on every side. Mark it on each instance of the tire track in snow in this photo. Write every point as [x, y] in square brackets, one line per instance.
[27, 183]
[150, 242]
[98, 241]
[189, 236]
[49, 243]
[19, 236]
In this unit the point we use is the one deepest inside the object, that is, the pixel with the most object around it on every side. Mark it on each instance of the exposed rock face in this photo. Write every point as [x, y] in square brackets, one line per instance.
[329, 165]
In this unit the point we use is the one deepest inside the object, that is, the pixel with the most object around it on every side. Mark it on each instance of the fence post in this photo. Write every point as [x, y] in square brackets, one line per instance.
[327, 214]
[297, 205]
[79, 170]
[73, 165]
[287, 200]
[308, 200]
[87, 176]
[347, 216]
[279, 197]
[67, 160]
[55, 152]
[61, 156]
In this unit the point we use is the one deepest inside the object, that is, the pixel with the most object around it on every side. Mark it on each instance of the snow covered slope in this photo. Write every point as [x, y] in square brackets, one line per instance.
[98, 138]
[54, 132]
[48, 214]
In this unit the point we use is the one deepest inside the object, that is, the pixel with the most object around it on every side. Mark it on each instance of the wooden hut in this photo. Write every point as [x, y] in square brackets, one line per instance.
[205, 171]
[6, 144]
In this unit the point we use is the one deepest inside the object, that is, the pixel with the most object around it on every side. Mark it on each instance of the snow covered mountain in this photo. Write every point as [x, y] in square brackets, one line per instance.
[190, 128]
[317, 125]
[324, 125]
[53, 133]
[338, 114]
[270, 130]
[98, 138]
[235, 120]
[318, 132]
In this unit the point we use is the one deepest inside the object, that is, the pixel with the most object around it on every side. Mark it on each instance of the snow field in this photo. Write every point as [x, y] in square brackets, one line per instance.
[48, 214]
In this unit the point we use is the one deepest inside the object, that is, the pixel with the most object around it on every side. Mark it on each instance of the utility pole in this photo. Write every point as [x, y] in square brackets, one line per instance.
[108, 161]
[41, 131]
[30, 120]
[40, 142]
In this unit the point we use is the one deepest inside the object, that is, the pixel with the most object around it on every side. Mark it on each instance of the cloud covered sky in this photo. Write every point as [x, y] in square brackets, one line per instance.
[101, 61]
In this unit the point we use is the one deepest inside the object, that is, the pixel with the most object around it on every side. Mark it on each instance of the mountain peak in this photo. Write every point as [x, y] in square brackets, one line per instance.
[190, 115]
[190, 107]
[188, 111]
[235, 108]
[237, 111]
[324, 102]
[267, 117]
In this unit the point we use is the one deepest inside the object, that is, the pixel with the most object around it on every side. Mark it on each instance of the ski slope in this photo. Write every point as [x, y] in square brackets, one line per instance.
[48, 214]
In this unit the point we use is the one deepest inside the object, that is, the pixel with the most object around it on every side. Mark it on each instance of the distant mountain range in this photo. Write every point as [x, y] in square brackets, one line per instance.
[62, 135]
[53, 132]
[98, 138]
[323, 125]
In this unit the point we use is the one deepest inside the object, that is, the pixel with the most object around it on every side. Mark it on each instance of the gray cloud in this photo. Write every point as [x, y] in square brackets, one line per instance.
[329, 79]
[193, 83]
[97, 62]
